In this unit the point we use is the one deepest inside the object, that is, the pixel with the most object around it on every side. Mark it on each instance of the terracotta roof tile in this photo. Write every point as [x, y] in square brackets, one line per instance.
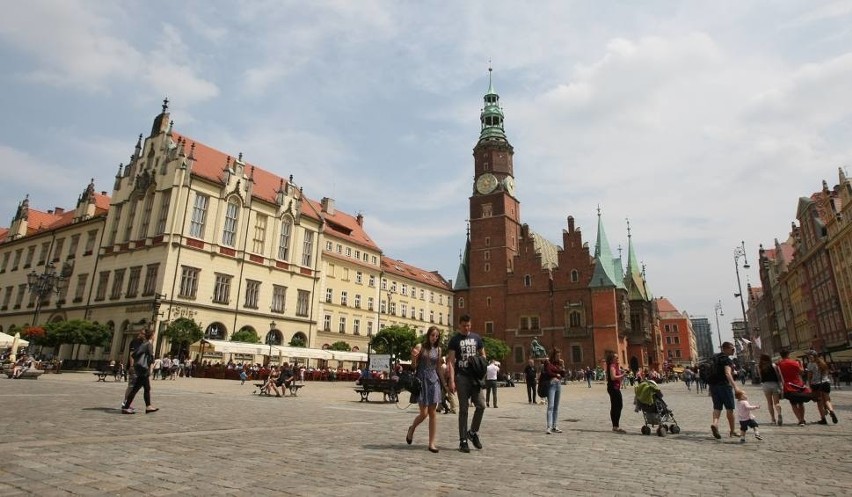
[663, 305]
[393, 266]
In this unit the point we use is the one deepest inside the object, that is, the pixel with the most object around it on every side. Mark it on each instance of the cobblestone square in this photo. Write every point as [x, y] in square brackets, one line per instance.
[64, 435]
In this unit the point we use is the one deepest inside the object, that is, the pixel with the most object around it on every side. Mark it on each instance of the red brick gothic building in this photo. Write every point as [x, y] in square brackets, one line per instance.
[518, 287]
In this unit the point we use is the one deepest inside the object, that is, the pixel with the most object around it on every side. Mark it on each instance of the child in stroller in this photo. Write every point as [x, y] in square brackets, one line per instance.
[655, 411]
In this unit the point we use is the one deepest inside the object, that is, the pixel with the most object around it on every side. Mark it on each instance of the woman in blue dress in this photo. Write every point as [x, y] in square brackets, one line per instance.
[426, 358]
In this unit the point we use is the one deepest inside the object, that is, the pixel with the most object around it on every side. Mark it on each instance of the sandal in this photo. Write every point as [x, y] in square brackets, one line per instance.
[433, 450]
[149, 410]
[127, 410]
[409, 437]
[618, 430]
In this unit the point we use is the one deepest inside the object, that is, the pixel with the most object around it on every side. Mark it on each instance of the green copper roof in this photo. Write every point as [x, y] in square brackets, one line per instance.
[462, 276]
[635, 282]
[608, 271]
[546, 250]
[491, 116]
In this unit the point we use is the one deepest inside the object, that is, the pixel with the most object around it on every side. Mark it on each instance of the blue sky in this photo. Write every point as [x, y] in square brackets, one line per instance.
[701, 122]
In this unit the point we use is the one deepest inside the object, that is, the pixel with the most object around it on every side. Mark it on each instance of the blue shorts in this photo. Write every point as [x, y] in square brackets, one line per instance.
[723, 396]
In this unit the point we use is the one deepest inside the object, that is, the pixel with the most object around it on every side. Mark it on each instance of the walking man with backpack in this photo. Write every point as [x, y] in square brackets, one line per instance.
[466, 375]
[722, 387]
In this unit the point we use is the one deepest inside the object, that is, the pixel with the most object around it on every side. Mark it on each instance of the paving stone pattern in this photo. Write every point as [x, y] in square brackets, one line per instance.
[65, 435]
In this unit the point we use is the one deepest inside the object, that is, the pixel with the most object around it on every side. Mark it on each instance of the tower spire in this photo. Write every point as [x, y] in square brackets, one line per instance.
[491, 117]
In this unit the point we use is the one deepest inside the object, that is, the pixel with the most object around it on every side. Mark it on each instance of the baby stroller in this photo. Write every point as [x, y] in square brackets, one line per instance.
[649, 400]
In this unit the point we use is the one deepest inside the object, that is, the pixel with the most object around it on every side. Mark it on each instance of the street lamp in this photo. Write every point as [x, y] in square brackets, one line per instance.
[719, 312]
[42, 285]
[740, 252]
[270, 338]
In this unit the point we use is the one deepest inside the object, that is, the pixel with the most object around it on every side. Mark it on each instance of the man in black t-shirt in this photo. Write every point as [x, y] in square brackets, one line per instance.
[462, 348]
[722, 386]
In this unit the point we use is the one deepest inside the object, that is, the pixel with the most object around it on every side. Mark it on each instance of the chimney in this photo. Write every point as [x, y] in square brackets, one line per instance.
[360, 219]
[58, 211]
[328, 205]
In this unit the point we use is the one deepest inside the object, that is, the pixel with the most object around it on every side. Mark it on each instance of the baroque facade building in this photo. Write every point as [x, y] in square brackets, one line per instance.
[807, 280]
[192, 232]
[519, 287]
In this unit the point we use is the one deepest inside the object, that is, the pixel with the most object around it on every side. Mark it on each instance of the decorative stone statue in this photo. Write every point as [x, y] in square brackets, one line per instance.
[538, 350]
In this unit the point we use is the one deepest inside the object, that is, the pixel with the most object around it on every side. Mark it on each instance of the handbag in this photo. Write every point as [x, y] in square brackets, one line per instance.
[543, 384]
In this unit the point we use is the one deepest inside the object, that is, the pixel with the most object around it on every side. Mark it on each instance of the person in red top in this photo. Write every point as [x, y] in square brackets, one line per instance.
[794, 388]
[554, 371]
[613, 388]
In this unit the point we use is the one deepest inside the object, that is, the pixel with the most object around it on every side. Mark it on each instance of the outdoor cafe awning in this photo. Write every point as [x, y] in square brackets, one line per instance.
[227, 347]
[349, 356]
[300, 352]
[6, 340]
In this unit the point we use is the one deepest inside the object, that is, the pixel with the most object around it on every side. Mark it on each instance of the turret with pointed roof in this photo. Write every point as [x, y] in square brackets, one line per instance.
[635, 281]
[606, 273]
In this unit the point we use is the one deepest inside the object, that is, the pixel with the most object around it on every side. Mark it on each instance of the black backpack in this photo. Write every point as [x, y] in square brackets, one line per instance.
[543, 383]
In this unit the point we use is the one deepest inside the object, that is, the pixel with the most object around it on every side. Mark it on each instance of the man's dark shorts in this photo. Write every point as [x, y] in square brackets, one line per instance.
[723, 396]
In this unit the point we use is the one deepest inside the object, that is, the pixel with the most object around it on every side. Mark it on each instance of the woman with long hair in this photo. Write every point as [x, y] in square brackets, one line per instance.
[770, 381]
[426, 358]
[614, 376]
[554, 371]
[820, 380]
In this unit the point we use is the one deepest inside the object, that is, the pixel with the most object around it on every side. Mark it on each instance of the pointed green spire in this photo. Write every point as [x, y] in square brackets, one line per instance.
[463, 276]
[636, 288]
[491, 116]
[606, 273]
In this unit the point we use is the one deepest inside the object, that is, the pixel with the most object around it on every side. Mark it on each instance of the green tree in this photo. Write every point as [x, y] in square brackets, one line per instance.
[75, 331]
[245, 335]
[297, 341]
[495, 349]
[183, 331]
[401, 338]
[341, 346]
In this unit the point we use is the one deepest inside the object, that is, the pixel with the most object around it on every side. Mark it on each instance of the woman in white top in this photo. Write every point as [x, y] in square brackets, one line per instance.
[820, 380]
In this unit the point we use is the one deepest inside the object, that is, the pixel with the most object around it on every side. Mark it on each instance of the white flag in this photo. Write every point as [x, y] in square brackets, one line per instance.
[757, 342]
[745, 340]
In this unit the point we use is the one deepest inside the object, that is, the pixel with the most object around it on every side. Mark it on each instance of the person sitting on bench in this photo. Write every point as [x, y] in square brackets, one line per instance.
[22, 365]
[272, 382]
[285, 377]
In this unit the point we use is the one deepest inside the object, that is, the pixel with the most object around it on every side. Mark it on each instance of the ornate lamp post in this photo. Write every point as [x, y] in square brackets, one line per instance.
[42, 285]
[270, 339]
[719, 312]
[740, 252]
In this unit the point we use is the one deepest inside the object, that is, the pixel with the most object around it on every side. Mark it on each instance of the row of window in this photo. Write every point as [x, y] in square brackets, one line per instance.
[46, 251]
[341, 326]
[198, 224]
[222, 292]
[350, 252]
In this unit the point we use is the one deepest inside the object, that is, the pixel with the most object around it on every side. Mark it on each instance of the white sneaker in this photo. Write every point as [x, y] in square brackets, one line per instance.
[549, 431]
[556, 430]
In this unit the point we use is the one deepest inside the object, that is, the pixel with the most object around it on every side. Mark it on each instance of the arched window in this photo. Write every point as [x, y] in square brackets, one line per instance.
[575, 276]
[461, 302]
[527, 280]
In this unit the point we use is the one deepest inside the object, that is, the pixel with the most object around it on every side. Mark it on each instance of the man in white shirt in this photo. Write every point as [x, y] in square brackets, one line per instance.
[166, 366]
[491, 382]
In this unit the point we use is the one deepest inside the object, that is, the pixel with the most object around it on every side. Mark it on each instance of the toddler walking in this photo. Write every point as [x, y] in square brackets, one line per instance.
[745, 416]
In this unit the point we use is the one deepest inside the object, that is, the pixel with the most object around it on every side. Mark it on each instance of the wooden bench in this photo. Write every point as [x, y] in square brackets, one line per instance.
[293, 388]
[389, 389]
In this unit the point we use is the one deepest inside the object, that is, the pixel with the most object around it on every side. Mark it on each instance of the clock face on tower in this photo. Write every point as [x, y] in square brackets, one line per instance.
[486, 183]
[509, 185]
